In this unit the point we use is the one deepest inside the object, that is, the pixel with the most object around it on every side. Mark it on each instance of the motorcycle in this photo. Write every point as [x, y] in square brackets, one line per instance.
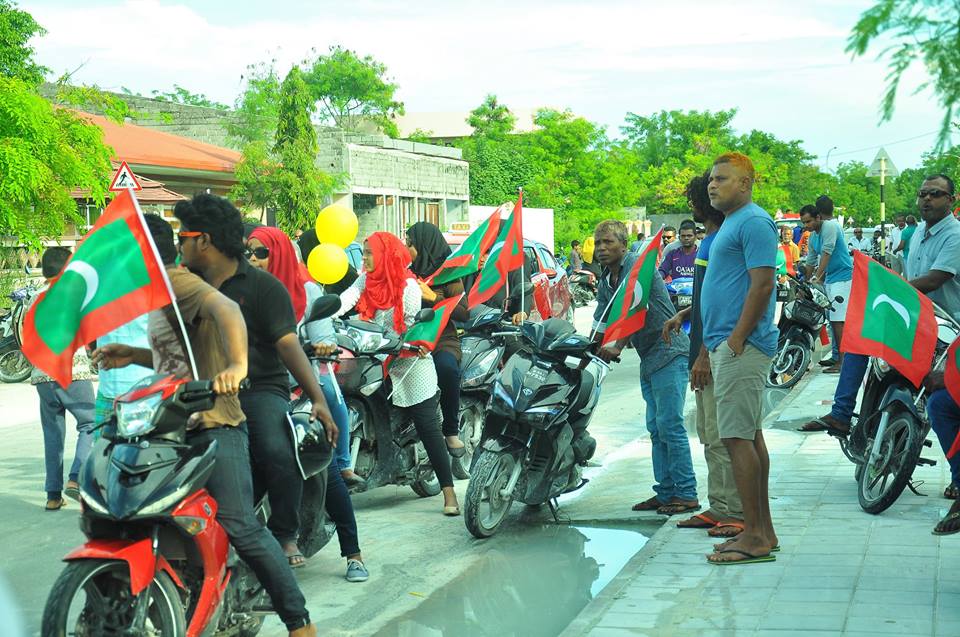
[891, 427]
[156, 560]
[481, 356]
[529, 449]
[583, 287]
[14, 366]
[680, 290]
[800, 323]
[384, 446]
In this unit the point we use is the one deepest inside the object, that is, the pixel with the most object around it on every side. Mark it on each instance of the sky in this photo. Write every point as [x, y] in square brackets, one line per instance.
[781, 63]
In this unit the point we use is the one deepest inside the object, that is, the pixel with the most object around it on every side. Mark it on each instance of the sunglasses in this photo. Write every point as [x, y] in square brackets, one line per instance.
[933, 194]
[186, 234]
[260, 253]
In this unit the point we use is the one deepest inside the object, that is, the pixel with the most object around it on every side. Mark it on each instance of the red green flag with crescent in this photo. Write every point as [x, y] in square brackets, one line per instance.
[502, 261]
[427, 334]
[890, 319]
[951, 378]
[466, 260]
[114, 276]
[628, 310]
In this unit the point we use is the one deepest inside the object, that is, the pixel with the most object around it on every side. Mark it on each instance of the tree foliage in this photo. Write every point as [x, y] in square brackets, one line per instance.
[491, 120]
[180, 95]
[351, 90]
[257, 107]
[925, 31]
[286, 177]
[45, 151]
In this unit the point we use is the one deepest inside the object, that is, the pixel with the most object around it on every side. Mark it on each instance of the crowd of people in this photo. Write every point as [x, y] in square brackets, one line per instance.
[244, 292]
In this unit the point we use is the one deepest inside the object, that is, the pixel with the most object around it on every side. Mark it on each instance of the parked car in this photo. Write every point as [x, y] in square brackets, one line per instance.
[551, 286]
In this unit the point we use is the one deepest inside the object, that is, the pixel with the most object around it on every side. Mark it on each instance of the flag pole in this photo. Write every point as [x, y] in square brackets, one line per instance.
[166, 281]
[523, 261]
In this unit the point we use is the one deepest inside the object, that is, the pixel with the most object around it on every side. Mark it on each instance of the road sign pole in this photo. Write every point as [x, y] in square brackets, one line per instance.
[883, 207]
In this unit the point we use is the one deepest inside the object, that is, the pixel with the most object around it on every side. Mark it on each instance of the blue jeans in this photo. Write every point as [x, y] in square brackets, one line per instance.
[340, 509]
[852, 371]
[338, 409]
[944, 416]
[55, 402]
[448, 379]
[664, 392]
[231, 485]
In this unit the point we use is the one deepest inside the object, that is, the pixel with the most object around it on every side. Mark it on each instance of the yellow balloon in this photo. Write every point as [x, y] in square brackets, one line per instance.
[337, 225]
[327, 263]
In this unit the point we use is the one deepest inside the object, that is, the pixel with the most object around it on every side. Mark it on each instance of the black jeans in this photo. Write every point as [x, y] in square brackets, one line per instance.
[231, 486]
[340, 509]
[448, 378]
[424, 416]
[273, 462]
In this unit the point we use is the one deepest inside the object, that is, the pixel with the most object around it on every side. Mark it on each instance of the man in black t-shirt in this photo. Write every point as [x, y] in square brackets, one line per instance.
[211, 244]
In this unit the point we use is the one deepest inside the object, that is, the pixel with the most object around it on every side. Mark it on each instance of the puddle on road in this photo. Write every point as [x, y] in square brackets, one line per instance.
[531, 583]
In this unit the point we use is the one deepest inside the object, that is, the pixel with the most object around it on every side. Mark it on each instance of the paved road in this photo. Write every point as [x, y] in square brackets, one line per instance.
[412, 551]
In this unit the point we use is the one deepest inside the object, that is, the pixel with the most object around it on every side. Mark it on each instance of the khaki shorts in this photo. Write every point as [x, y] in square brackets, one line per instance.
[738, 390]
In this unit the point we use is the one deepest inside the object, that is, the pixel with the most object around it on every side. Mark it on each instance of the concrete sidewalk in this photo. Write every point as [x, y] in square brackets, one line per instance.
[840, 572]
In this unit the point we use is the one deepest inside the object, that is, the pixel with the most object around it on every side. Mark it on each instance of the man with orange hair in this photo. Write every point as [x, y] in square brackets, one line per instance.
[737, 306]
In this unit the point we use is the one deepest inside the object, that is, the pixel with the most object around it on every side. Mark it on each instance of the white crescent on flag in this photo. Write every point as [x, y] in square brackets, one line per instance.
[90, 279]
[897, 306]
[637, 295]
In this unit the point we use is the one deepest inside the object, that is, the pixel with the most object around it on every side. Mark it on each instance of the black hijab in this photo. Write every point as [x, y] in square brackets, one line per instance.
[432, 248]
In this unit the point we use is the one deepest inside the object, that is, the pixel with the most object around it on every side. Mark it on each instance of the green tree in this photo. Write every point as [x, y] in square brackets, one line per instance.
[286, 177]
[926, 31]
[491, 120]
[257, 107]
[180, 95]
[45, 151]
[351, 90]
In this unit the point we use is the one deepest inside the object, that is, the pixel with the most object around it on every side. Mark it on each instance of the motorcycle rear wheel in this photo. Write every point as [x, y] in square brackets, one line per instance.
[14, 367]
[792, 365]
[880, 483]
[485, 507]
[109, 605]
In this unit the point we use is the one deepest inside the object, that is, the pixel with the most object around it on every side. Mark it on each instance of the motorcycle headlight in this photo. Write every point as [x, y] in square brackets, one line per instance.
[92, 502]
[477, 372]
[136, 418]
[540, 416]
[501, 401]
[366, 341]
[881, 365]
[788, 310]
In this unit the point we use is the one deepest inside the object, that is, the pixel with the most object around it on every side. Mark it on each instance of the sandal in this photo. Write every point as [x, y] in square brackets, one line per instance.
[678, 506]
[296, 560]
[651, 504]
[747, 558]
[951, 492]
[816, 424]
[457, 452]
[950, 518]
[55, 505]
[833, 369]
[726, 529]
[698, 521]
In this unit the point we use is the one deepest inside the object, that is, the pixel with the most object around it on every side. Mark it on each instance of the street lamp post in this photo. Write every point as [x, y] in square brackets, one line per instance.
[827, 160]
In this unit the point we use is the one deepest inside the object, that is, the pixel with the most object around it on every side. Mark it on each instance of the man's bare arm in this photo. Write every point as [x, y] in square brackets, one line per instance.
[756, 303]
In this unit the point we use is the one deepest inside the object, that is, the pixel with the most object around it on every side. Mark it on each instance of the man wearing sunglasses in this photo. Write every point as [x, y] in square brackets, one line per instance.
[931, 268]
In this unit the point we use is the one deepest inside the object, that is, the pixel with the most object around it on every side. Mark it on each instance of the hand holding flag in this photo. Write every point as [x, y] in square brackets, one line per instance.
[628, 309]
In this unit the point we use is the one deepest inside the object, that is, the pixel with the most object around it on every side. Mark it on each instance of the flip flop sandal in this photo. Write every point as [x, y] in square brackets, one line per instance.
[55, 505]
[676, 508]
[748, 558]
[950, 518]
[833, 369]
[718, 530]
[814, 425]
[698, 521]
[296, 560]
[651, 504]
[951, 492]
[72, 492]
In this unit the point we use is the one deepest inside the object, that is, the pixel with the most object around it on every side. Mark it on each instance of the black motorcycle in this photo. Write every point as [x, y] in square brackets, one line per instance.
[891, 428]
[800, 323]
[583, 287]
[534, 442]
[14, 366]
[483, 352]
[384, 445]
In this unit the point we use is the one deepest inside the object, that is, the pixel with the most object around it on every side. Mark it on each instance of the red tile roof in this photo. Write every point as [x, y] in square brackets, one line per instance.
[144, 146]
[153, 191]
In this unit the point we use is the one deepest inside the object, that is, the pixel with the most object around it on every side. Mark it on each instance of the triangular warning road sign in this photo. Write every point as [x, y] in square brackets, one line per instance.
[124, 179]
[889, 169]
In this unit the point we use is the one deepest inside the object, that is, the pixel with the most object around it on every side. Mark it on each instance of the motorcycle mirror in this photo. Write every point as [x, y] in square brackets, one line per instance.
[324, 307]
[425, 316]
[838, 299]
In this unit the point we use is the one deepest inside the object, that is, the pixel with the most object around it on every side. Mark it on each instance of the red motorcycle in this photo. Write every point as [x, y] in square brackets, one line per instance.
[156, 561]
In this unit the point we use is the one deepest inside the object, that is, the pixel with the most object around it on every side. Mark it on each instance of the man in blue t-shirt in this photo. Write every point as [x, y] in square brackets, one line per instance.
[724, 517]
[828, 261]
[737, 305]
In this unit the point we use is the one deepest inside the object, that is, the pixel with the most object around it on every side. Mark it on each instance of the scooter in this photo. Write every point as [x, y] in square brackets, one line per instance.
[384, 446]
[800, 324]
[680, 290]
[583, 287]
[156, 561]
[534, 443]
[14, 366]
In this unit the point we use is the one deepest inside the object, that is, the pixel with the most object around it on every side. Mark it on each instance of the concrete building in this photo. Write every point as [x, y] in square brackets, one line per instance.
[448, 127]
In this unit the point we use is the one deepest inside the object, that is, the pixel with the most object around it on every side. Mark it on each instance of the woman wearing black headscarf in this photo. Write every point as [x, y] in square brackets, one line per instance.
[429, 250]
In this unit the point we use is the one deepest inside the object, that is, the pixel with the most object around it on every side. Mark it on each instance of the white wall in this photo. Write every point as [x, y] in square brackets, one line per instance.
[537, 222]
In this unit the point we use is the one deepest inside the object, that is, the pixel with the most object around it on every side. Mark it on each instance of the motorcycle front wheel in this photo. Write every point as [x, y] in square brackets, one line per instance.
[92, 597]
[881, 481]
[471, 426]
[14, 367]
[788, 365]
[486, 506]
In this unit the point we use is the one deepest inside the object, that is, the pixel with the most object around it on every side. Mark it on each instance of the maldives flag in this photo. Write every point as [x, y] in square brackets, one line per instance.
[951, 378]
[785, 249]
[888, 318]
[427, 334]
[502, 261]
[466, 260]
[114, 276]
[628, 310]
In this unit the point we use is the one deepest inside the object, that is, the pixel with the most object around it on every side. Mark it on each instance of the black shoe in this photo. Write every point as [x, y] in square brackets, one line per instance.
[828, 362]
[354, 481]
